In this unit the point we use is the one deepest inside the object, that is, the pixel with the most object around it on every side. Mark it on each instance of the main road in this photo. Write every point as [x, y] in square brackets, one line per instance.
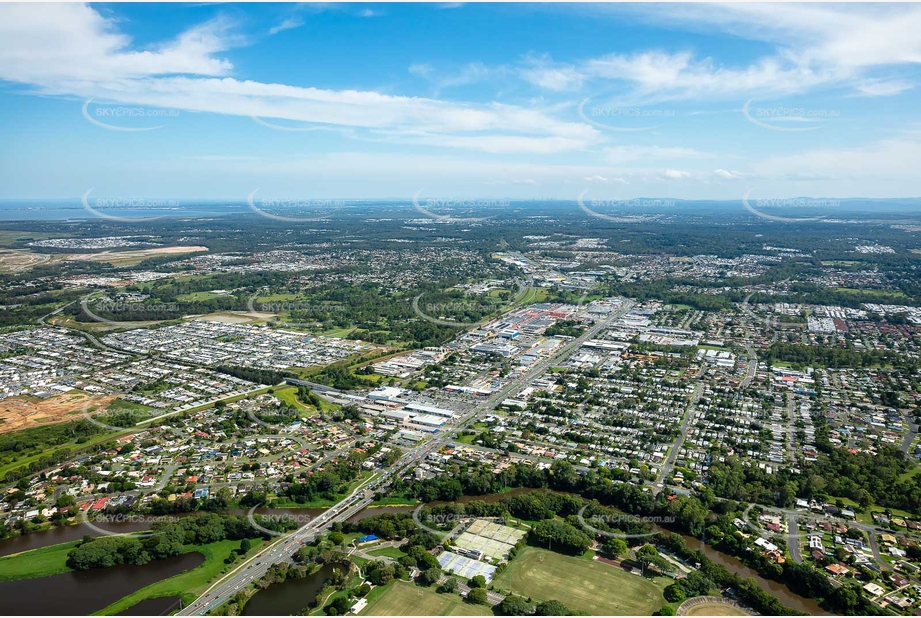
[282, 549]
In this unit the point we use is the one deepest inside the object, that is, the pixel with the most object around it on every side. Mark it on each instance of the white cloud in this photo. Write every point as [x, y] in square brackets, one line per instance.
[543, 73]
[73, 50]
[288, 24]
[421, 69]
[728, 175]
[817, 46]
[368, 13]
[883, 88]
[676, 174]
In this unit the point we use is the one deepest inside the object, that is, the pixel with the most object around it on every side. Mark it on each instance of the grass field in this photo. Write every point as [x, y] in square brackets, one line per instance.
[583, 585]
[198, 296]
[189, 584]
[43, 562]
[401, 598]
[288, 395]
[390, 552]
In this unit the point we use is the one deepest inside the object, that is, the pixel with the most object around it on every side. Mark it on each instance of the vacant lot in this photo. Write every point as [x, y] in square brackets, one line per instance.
[584, 585]
[18, 261]
[405, 599]
[130, 258]
[23, 412]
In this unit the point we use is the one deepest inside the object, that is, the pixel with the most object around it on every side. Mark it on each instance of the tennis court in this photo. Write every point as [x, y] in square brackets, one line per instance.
[465, 567]
[492, 539]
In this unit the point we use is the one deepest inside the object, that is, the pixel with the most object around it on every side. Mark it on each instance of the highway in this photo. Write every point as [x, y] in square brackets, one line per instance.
[282, 549]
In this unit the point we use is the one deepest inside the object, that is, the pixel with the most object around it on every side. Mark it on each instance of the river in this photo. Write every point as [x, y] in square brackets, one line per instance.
[84, 592]
[75, 532]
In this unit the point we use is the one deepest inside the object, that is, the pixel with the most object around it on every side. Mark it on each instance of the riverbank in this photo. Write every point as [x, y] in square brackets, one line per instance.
[188, 585]
[44, 562]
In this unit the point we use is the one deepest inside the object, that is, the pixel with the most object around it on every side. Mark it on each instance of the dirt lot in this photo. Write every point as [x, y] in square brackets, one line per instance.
[24, 412]
[129, 258]
[18, 261]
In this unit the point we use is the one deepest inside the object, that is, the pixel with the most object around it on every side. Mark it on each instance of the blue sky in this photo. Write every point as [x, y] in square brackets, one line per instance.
[463, 100]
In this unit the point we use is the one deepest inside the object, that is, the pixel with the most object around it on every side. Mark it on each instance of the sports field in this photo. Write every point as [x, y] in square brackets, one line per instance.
[585, 585]
[405, 599]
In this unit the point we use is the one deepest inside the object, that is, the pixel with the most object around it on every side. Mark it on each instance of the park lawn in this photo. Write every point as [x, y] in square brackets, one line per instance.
[872, 292]
[389, 552]
[583, 585]
[41, 562]
[199, 296]
[400, 598]
[274, 298]
[188, 584]
[288, 395]
[341, 333]
[467, 438]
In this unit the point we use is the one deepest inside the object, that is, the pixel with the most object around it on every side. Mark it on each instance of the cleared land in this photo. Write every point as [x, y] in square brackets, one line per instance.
[233, 317]
[585, 585]
[18, 261]
[130, 258]
[404, 599]
[19, 413]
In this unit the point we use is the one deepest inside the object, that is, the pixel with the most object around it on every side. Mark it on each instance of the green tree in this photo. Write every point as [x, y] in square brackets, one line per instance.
[477, 596]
